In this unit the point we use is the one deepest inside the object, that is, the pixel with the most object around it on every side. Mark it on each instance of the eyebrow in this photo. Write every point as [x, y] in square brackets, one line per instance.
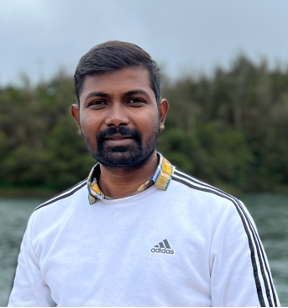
[92, 94]
[138, 91]
[103, 94]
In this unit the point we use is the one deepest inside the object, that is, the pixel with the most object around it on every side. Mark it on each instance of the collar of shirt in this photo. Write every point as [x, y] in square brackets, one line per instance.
[161, 178]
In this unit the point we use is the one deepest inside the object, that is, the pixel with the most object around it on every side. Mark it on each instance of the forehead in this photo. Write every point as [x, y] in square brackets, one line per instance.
[122, 80]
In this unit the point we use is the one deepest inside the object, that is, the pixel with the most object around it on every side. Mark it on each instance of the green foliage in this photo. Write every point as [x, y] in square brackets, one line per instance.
[216, 154]
[40, 144]
[230, 129]
[239, 121]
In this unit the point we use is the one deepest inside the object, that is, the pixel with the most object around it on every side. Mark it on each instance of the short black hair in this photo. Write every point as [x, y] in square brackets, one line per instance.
[114, 55]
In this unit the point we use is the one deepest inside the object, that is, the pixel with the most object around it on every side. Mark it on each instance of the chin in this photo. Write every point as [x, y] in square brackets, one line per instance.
[120, 157]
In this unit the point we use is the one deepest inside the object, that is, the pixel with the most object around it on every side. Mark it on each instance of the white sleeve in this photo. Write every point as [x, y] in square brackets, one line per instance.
[240, 274]
[29, 288]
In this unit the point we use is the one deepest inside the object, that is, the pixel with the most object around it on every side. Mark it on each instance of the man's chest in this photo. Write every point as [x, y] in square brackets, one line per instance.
[117, 259]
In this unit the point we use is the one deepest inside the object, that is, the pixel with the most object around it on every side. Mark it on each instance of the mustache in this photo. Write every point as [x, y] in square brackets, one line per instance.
[124, 131]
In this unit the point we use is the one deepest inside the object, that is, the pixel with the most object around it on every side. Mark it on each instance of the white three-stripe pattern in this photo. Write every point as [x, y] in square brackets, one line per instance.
[263, 280]
[65, 194]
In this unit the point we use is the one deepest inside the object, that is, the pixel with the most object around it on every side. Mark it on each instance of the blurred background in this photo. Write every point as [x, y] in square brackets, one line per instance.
[224, 67]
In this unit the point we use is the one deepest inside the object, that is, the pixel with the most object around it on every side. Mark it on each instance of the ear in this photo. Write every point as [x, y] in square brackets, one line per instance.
[75, 113]
[163, 109]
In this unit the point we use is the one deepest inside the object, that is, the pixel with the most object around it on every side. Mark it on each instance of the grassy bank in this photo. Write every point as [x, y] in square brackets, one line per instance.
[28, 192]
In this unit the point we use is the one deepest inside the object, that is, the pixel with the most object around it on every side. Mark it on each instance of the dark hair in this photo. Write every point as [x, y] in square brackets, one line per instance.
[114, 55]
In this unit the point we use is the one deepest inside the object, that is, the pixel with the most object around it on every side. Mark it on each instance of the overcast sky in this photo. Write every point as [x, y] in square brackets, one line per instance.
[39, 36]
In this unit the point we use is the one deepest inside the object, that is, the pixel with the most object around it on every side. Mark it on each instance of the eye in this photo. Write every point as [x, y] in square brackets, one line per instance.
[136, 102]
[98, 103]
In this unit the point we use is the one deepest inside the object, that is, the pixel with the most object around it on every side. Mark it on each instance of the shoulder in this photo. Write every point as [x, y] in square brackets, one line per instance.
[214, 204]
[72, 192]
[206, 191]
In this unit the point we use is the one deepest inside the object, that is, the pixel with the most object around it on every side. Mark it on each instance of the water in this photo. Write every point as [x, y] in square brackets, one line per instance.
[270, 212]
[14, 214]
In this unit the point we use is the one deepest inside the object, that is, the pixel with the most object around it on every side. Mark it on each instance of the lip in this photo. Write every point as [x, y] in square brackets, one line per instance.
[119, 140]
[118, 137]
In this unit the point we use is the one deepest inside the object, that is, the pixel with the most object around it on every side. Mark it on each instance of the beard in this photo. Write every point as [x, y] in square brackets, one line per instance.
[132, 155]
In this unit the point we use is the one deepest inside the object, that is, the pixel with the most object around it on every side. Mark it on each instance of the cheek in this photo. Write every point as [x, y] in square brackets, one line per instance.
[149, 126]
[89, 125]
[149, 120]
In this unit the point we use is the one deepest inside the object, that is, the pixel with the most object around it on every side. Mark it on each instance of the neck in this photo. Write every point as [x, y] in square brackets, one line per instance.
[121, 182]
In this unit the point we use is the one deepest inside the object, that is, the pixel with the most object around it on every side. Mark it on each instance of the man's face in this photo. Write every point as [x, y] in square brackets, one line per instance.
[119, 117]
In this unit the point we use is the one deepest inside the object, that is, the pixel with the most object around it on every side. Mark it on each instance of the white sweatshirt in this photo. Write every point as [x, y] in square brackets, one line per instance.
[191, 245]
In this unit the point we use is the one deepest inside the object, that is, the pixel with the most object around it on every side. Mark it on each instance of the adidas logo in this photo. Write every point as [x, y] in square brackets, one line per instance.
[163, 247]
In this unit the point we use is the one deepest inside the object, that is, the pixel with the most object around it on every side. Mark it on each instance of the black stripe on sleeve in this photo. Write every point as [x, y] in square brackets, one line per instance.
[261, 254]
[65, 194]
[253, 258]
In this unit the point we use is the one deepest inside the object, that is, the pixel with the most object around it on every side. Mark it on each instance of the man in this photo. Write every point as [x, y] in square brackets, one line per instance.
[137, 232]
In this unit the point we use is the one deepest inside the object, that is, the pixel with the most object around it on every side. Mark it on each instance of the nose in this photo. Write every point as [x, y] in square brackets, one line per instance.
[117, 116]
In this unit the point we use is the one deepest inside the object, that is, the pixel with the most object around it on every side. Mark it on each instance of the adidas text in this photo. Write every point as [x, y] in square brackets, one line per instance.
[163, 250]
